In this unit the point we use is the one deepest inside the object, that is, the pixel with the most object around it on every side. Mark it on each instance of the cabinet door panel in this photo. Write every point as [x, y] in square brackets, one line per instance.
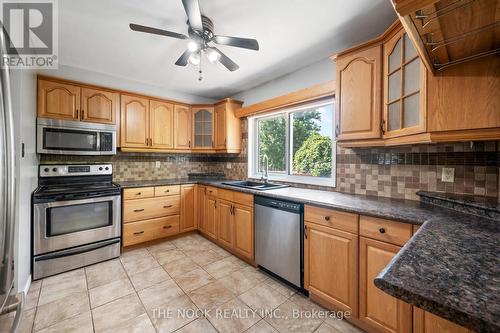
[99, 106]
[243, 231]
[332, 266]
[211, 217]
[188, 204]
[376, 308]
[220, 126]
[135, 121]
[182, 127]
[203, 118]
[162, 124]
[224, 223]
[358, 94]
[58, 100]
[426, 322]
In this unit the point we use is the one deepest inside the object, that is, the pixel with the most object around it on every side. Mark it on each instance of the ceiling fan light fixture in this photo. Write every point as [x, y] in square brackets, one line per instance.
[193, 46]
[194, 59]
[212, 55]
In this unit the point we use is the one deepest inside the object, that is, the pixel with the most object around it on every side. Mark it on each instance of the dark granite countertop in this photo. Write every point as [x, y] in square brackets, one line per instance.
[451, 267]
[159, 182]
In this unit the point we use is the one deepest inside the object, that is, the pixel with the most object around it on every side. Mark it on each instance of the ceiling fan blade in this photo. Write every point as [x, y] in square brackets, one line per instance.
[226, 61]
[245, 43]
[193, 12]
[142, 28]
[183, 60]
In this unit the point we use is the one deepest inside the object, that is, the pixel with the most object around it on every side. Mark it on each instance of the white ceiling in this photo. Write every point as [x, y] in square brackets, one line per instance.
[94, 35]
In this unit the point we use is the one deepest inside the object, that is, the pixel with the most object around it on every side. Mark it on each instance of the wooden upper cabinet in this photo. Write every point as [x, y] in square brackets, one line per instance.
[203, 127]
[331, 266]
[161, 119]
[220, 121]
[99, 106]
[404, 88]
[227, 126]
[359, 94]
[188, 207]
[377, 308]
[58, 100]
[182, 127]
[134, 121]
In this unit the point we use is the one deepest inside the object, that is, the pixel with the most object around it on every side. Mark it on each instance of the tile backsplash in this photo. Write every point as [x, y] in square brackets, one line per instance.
[397, 172]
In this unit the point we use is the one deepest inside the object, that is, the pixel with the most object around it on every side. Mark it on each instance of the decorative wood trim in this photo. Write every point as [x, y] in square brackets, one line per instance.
[297, 97]
[405, 7]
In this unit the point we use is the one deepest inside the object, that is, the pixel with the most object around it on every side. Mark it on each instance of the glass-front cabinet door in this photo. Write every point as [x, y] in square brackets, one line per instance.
[404, 88]
[203, 133]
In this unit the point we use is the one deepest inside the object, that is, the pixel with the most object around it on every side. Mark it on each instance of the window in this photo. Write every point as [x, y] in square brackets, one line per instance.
[298, 143]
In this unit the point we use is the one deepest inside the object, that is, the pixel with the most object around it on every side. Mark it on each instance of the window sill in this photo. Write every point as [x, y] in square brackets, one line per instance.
[316, 181]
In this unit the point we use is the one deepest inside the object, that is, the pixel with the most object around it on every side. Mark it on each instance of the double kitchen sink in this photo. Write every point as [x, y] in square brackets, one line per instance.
[259, 186]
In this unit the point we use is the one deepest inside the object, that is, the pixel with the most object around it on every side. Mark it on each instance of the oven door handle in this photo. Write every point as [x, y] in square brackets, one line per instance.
[79, 250]
[63, 203]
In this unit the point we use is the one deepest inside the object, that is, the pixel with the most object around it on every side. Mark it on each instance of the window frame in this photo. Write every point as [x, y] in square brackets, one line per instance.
[253, 146]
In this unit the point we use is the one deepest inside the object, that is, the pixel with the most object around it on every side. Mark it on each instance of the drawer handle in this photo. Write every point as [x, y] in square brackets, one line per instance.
[138, 193]
[166, 191]
[167, 226]
[138, 210]
[139, 233]
[381, 230]
[327, 218]
[167, 206]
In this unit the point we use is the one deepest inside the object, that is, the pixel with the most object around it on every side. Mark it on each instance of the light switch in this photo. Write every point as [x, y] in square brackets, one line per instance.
[158, 164]
[228, 165]
[448, 175]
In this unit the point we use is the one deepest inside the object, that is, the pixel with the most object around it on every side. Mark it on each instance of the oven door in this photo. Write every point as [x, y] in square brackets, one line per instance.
[75, 138]
[65, 224]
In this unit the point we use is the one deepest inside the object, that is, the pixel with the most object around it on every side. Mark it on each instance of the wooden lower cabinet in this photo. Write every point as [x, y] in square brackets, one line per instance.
[147, 230]
[211, 217]
[376, 308]
[426, 322]
[331, 267]
[188, 204]
[225, 223]
[243, 231]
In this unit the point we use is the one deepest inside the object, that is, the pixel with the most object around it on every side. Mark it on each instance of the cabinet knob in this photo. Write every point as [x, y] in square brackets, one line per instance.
[167, 226]
[381, 230]
[166, 191]
[327, 218]
[138, 193]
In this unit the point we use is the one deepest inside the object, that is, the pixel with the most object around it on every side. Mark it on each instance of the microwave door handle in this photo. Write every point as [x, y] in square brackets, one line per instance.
[98, 143]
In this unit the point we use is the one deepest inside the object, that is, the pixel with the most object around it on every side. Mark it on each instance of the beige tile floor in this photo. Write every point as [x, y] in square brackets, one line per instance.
[184, 285]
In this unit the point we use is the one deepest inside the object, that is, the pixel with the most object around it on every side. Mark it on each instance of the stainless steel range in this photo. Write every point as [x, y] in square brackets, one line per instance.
[76, 218]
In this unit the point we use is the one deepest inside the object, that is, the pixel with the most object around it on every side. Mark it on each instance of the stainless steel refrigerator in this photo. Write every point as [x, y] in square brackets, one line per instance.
[9, 303]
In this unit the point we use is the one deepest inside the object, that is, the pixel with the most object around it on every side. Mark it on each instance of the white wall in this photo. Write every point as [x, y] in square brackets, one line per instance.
[319, 72]
[109, 81]
[23, 91]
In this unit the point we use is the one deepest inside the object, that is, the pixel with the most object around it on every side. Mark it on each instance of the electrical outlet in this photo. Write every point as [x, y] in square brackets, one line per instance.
[158, 164]
[228, 165]
[448, 175]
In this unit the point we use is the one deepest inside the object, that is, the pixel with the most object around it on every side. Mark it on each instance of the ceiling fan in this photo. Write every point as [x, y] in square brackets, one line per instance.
[201, 34]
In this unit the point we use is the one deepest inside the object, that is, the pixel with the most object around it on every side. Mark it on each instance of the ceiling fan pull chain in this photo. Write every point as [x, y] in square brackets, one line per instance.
[200, 72]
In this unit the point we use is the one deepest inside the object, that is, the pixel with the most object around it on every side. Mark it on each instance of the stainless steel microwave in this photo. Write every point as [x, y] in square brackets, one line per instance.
[66, 137]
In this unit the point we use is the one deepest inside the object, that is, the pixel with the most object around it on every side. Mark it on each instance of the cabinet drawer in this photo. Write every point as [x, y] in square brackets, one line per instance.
[388, 231]
[142, 209]
[167, 190]
[212, 191]
[236, 197]
[143, 231]
[138, 193]
[332, 218]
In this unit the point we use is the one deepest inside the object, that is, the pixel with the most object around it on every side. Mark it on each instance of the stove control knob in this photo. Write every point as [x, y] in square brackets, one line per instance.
[106, 168]
[54, 169]
[100, 168]
[46, 170]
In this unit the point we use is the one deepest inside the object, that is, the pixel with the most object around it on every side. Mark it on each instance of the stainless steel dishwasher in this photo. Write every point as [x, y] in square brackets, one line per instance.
[279, 239]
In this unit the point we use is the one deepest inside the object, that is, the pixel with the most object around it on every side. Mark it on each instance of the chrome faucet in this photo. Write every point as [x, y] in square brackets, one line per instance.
[265, 172]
